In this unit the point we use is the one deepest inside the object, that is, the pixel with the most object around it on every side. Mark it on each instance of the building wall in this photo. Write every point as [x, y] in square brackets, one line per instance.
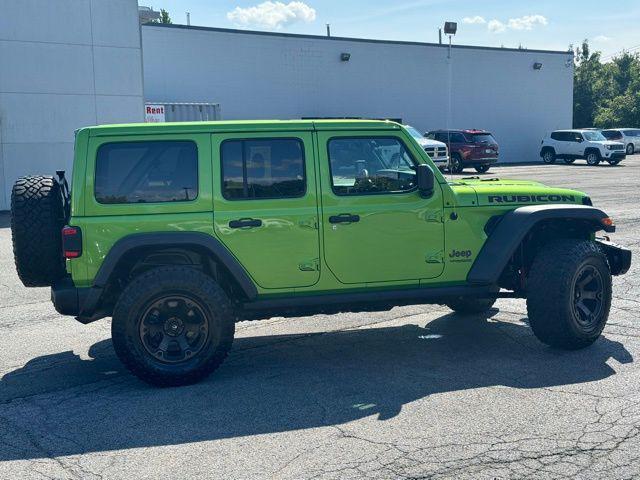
[278, 76]
[63, 65]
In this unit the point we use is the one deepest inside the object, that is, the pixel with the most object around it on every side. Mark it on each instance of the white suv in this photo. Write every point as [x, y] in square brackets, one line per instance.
[437, 151]
[630, 137]
[588, 144]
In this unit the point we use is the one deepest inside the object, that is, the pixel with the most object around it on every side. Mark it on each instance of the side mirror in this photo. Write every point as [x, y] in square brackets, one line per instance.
[426, 180]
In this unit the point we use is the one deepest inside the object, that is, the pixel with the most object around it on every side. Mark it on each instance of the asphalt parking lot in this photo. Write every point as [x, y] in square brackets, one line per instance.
[416, 392]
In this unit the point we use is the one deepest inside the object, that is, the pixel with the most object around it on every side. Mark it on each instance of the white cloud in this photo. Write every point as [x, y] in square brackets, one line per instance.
[527, 22]
[602, 38]
[273, 15]
[496, 26]
[474, 20]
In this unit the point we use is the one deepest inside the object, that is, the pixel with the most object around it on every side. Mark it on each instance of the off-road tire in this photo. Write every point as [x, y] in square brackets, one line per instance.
[37, 218]
[470, 305]
[631, 149]
[159, 283]
[455, 165]
[483, 168]
[593, 158]
[552, 288]
[548, 156]
[613, 163]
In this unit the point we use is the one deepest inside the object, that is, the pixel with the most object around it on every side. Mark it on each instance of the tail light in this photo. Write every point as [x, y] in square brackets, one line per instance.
[71, 242]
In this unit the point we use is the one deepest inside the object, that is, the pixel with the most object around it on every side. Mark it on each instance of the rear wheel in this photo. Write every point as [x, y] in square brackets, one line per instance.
[470, 304]
[569, 294]
[483, 168]
[37, 218]
[549, 156]
[593, 158]
[456, 164]
[630, 149]
[172, 326]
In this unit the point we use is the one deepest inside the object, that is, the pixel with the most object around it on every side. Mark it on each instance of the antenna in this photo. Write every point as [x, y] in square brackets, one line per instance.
[328, 29]
[188, 18]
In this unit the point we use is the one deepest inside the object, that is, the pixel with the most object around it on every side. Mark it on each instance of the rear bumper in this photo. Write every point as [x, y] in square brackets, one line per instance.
[619, 257]
[70, 300]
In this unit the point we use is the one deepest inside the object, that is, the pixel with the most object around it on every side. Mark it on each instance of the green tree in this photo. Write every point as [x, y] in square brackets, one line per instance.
[164, 16]
[606, 95]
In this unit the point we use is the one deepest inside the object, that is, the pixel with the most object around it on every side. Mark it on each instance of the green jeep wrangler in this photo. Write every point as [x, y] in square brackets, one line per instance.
[177, 231]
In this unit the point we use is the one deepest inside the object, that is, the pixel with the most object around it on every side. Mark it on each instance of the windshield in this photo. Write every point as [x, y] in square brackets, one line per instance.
[483, 138]
[414, 133]
[593, 136]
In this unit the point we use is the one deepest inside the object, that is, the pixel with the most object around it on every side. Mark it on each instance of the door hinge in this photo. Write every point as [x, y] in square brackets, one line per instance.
[309, 223]
[434, 257]
[312, 265]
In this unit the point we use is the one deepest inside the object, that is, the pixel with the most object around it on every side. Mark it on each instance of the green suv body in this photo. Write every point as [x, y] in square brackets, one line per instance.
[179, 230]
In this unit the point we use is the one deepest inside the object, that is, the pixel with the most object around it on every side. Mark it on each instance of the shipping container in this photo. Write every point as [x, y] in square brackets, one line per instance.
[181, 112]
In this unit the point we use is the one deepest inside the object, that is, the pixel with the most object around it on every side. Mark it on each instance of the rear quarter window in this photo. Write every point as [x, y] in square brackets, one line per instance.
[146, 172]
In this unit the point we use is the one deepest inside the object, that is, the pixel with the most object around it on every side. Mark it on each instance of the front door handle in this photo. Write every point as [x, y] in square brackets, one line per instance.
[344, 218]
[245, 222]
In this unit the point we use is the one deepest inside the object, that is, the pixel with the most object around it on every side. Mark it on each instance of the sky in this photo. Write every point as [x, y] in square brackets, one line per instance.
[541, 24]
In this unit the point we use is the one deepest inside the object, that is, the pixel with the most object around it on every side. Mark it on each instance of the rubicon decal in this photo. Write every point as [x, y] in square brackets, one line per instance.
[530, 198]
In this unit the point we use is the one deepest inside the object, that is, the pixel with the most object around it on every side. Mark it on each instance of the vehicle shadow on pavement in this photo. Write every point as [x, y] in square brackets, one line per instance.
[278, 383]
[5, 219]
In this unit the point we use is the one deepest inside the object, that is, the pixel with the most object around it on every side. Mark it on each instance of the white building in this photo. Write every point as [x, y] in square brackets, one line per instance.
[72, 63]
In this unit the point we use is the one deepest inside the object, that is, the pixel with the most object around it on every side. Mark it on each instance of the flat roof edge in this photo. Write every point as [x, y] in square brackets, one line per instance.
[351, 39]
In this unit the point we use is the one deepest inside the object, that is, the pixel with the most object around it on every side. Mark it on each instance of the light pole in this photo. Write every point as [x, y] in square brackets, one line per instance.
[450, 29]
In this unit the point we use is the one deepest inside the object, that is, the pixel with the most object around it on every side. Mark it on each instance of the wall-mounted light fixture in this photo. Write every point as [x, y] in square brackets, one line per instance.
[537, 66]
[345, 57]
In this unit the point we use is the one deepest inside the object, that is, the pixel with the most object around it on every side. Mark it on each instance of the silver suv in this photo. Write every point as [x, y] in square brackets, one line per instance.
[630, 137]
[591, 145]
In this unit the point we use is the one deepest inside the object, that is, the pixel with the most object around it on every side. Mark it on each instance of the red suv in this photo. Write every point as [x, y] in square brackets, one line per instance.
[468, 148]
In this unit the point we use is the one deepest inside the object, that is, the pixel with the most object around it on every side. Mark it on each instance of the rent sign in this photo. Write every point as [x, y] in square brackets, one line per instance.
[154, 113]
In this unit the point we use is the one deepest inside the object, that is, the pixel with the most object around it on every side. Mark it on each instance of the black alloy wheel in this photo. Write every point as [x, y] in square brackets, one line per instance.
[588, 297]
[173, 328]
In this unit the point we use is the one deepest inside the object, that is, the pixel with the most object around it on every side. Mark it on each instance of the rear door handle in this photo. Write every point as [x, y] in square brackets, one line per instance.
[344, 218]
[245, 222]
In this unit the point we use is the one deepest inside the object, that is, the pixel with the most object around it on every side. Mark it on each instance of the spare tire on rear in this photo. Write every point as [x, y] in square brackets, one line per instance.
[37, 218]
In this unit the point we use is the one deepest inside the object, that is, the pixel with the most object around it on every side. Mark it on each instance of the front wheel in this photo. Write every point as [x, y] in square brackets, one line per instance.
[172, 326]
[455, 165]
[630, 149]
[593, 159]
[569, 294]
[613, 162]
[482, 168]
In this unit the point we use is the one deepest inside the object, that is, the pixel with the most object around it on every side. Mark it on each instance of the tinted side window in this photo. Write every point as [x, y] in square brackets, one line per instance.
[559, 136]
[262, 168]
[458, 138]
[369, 165]
[442, 137]
[146, 172]
[612, 134]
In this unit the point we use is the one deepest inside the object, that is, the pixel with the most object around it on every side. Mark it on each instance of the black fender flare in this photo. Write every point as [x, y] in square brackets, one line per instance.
[512, 228]
[88, 309]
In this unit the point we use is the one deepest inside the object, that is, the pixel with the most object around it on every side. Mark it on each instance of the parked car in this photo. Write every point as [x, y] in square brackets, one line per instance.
[179, 233]
[468, 148]
[437, 151]
[630, 137]
[591, 145]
